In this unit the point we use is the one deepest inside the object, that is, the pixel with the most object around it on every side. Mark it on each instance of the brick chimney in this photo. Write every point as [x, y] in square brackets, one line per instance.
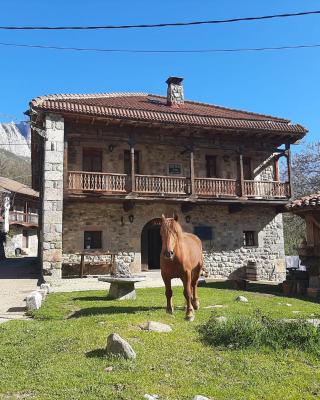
[175, 97]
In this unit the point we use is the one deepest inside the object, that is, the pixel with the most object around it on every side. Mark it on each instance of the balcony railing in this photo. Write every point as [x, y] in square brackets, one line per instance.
[152, 184]
[97, 181]
[266, 189]
[22, 217]
[215, 187]
[156, 185]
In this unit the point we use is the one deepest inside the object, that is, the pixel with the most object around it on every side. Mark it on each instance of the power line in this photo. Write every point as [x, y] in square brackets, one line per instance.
[162, 25]
[146, 51]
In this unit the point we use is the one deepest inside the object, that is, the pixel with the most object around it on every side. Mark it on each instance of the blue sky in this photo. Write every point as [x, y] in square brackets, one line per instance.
[282, 83]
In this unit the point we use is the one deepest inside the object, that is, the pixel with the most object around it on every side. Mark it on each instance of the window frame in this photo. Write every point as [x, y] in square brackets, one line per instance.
[250, 238]
[86, 233]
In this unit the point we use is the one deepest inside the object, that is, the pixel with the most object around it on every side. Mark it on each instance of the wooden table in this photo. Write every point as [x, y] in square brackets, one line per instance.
[94, 253]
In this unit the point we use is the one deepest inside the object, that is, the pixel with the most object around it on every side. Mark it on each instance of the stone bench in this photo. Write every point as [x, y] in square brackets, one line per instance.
[122, 288]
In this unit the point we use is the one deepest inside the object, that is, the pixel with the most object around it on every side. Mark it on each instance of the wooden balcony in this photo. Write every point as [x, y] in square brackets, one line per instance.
[97, 182]
[173, 186]
[22, 218]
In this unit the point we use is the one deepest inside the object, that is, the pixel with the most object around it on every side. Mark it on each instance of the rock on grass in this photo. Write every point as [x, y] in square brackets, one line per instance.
[242, 299]
[119, 347]
[156, 327]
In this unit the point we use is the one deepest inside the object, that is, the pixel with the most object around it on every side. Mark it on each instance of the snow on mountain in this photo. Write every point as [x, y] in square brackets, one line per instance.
[15, 138]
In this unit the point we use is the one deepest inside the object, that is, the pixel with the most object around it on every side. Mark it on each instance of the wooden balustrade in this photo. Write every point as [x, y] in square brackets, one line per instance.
[97, 181]
[215, 187]
[174, 185]
[21, 216]
[266, 189]
[151, 184]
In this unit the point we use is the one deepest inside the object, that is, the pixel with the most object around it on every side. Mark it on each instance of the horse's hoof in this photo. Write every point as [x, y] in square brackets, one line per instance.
[189, 318]
[196, 305]
[170, 312]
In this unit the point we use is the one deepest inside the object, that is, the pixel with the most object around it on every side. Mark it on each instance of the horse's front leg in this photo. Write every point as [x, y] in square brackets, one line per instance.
[194, 285]
[167, 283]
[188, 295]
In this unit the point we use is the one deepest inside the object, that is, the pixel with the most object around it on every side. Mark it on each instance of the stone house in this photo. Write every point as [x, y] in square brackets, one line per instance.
[308, 208]
[19, 218]
[108, 165]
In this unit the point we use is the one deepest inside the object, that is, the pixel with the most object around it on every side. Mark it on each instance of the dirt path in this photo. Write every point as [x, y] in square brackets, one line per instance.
[18, 277]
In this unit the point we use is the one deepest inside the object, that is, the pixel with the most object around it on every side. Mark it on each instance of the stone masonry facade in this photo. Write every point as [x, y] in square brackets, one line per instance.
[52, 196]
[224, 255]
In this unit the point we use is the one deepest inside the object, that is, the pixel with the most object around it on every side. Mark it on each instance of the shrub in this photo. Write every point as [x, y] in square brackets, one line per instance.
[258, 331]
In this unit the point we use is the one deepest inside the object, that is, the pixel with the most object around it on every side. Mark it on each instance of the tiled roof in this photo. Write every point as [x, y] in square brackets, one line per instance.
[154, 108]
[313, 200]
[16, 187]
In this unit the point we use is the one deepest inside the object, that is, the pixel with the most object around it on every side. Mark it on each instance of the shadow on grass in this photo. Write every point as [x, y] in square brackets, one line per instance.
[260, 288]
[91, 311]
[97, 353]
[93, 298]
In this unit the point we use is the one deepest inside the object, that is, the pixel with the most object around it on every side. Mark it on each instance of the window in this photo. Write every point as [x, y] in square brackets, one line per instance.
[247, 174]
[204, 232]
[92, 240]
[92, 160]
[127, 162]
[249, 238]
[211, 166]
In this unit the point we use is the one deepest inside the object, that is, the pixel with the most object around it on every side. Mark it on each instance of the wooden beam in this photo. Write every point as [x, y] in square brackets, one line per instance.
[192, 170]
[133, 178]
[288, 156]
[65, 166]
[241, 176]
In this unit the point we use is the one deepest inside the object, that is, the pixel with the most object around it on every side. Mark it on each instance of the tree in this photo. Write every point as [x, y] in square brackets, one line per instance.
[305, 180]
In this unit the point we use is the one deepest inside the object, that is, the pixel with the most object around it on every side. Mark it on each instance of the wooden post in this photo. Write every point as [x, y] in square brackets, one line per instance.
[276, 169]
[241, 176]
[133, 178]
[192, 171]
[65, 168]
[288, 156]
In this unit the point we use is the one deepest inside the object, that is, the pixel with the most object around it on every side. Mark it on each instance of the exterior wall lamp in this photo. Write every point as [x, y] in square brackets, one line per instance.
[188, 219]
[131, 218]
[111, 148]
[122, 221]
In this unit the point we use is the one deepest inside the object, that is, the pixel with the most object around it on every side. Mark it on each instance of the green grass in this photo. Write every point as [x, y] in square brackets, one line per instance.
[60, 354]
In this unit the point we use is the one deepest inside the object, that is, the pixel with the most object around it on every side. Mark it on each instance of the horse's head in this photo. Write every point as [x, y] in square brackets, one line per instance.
[170, 232]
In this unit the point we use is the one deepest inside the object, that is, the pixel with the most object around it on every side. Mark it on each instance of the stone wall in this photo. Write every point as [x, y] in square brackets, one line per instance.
[224, 254]
[52, 204]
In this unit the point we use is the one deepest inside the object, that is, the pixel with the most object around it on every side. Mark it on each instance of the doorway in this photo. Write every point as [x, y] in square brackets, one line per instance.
[151, 245]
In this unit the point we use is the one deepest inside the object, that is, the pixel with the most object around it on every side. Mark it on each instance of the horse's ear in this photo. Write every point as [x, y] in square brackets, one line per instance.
[163, 218]
[175, 217]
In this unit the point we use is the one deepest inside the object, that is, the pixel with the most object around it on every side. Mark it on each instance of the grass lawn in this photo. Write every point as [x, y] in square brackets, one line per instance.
[60, 354]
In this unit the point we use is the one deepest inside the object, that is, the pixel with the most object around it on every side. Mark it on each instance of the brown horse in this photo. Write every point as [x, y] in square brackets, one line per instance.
[181, 257]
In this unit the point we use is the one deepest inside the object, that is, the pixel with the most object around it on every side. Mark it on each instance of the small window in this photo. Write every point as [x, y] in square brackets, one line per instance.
[204, 232]
[92, 240]
[249, 238]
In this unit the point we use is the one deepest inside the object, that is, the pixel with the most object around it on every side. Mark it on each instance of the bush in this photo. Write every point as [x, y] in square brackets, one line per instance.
[259, 331]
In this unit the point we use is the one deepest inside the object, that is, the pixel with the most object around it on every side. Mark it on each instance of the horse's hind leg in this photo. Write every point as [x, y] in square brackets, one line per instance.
[194, 285]
[188, 295]
[167, 283]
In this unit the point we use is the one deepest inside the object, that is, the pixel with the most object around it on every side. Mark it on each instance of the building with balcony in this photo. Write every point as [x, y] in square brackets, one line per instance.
[108, 165]
[19, 218]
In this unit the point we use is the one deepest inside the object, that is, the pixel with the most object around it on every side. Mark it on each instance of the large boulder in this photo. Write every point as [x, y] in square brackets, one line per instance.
[33, 301]
[120, 347]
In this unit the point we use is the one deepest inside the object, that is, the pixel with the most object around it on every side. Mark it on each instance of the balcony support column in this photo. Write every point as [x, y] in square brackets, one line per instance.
[241, 176]
[133, 177]
[65, 166]
[288, 157]
[192, 182]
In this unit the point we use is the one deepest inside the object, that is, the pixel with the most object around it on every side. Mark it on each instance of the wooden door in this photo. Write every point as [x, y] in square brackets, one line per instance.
[154, 247]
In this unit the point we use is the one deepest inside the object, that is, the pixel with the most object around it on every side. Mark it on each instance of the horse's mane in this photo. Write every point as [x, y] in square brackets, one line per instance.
[171, 226]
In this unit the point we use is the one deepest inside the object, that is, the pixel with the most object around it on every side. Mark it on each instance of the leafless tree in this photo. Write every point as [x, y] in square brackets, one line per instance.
[305, 180]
